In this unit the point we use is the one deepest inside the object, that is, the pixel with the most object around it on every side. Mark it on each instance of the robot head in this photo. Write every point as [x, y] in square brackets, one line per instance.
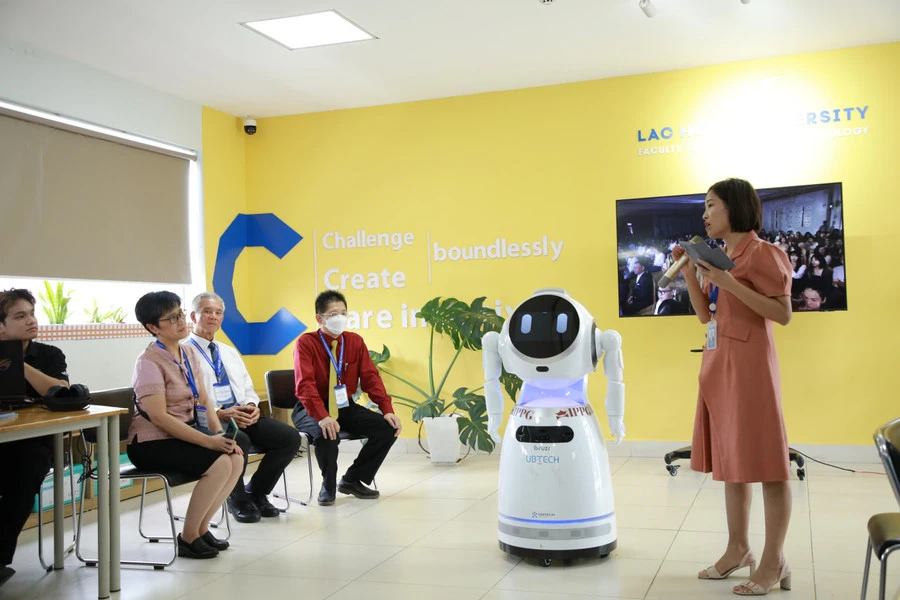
[549, 340]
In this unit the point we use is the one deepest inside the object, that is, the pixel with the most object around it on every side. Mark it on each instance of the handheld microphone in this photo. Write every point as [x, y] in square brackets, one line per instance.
[676, 266]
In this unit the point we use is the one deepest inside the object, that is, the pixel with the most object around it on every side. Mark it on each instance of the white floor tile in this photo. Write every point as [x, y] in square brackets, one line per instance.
[424, 566]
[615, 577]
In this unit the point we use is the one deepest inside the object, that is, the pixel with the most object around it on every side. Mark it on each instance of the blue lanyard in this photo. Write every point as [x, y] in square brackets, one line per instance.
[186, 371]
[216, 366]
[713, 296]
[337, 364]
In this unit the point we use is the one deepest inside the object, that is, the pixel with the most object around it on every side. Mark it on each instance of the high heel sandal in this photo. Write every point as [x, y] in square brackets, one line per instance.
[747, 561]
[784, 579]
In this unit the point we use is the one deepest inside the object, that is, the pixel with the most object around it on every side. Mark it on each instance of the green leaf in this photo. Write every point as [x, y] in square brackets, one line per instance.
[380, 357]
[55, 302]
[433, 407]
[511, 383]
[475, 321]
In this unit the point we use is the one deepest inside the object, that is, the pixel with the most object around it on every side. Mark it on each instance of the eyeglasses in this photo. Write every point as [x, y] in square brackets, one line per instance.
[174, 319]
[334, 314]
[661, 292]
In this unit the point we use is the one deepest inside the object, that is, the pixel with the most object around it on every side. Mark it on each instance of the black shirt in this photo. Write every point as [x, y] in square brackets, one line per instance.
[47, 359]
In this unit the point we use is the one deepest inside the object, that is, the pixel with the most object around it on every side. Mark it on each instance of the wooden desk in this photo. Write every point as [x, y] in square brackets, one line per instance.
[35, 422]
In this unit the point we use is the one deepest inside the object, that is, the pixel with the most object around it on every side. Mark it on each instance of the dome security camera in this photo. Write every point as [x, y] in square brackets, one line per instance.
[249, 126]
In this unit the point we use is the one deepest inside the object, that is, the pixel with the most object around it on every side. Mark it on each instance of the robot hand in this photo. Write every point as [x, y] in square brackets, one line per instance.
[494, 426]
[617, 428]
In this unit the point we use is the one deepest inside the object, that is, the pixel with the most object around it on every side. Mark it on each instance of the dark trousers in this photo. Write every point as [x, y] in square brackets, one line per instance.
[353, 419]
[280, 443]
[26, 464]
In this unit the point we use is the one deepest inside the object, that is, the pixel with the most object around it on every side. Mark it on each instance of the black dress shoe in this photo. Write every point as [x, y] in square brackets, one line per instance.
[356, 488]
[5, 573]
[242, 509]
[326, 498]
[265, 508]
[214, 542]
[196, 549]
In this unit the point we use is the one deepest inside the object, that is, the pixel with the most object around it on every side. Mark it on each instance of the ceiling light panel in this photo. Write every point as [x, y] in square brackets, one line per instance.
[306, 31]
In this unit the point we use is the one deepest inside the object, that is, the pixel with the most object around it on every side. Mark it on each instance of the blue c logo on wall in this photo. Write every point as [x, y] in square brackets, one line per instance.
[248, 231]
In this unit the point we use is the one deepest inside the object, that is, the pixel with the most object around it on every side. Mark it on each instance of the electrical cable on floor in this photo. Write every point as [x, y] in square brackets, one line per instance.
[837, 467]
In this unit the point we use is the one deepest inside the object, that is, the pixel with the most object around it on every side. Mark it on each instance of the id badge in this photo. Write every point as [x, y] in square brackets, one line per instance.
[223, 394]
[340, 396]
[200, 415]
[712, 331]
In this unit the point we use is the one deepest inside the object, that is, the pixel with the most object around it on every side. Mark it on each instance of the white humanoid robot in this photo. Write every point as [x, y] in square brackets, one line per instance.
[555, 499]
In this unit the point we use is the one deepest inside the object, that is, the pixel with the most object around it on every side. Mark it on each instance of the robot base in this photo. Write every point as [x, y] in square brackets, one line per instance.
[545, 556]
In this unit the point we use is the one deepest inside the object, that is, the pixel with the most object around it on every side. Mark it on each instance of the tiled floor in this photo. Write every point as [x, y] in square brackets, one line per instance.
[432, 536]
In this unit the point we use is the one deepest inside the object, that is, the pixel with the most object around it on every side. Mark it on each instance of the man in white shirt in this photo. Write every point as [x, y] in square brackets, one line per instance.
[229, 385]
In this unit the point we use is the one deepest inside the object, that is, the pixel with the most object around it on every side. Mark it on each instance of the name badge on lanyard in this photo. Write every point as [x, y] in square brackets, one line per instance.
[224, 396]
[340, 390]
[712, 327]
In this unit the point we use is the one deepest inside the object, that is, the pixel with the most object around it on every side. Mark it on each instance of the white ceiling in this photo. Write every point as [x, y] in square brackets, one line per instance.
[197, 50]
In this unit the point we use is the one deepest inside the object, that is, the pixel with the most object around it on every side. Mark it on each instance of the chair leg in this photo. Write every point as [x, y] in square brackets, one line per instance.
[288, 498]
[882, 584]
[67, 463]
[865, 582]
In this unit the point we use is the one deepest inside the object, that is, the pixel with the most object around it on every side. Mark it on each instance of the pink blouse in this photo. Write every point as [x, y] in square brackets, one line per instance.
[156, 372]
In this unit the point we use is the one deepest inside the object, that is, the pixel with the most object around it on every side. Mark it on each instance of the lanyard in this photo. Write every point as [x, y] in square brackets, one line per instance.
[337, 364]
[186, 370]
[713, 296]
[216, 366]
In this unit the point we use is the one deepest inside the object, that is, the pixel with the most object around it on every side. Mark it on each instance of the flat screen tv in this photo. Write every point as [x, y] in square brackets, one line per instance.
[806, 221]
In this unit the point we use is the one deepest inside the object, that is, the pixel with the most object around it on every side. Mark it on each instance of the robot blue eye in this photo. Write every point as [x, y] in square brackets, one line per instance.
[526, 324]
[562, 322]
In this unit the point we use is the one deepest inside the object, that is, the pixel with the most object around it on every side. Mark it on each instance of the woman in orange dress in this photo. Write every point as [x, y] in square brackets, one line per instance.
[739, 432]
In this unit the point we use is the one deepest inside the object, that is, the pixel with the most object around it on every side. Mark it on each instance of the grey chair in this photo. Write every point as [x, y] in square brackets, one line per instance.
[884, 529]
[124, 398]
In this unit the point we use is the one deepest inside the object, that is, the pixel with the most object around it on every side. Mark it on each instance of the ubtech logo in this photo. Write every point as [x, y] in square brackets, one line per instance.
[248, 231]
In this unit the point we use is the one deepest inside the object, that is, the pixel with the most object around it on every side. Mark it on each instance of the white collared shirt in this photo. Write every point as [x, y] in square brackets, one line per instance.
[241, 384]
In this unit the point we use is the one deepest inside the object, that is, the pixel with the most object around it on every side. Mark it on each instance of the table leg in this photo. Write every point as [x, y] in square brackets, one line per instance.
[114, 498]
[59, 515]
[103, 507]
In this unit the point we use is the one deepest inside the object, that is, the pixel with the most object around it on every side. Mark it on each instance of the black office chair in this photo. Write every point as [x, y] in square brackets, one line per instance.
[280, 388]
[884, 529]
[124, 398]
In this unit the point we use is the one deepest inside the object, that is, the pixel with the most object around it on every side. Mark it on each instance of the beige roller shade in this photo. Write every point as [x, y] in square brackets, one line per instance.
[78, 207]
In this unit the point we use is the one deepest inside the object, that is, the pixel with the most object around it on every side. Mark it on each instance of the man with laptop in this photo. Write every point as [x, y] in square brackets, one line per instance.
[41, 367]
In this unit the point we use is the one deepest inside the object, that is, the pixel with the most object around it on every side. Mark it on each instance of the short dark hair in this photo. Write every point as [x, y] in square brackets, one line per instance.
[326, 298]
[744, 207]
[10, 297]
[151, 307]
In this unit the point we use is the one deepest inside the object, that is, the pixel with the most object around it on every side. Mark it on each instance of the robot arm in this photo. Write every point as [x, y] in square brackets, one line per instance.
[610, 342]
[493, 393]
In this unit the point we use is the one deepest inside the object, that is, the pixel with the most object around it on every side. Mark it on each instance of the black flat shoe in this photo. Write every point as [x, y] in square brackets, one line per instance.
[265, 508]
[242, 509]
[196, 549]
[214, 542]
[326, 498]
[357, 489]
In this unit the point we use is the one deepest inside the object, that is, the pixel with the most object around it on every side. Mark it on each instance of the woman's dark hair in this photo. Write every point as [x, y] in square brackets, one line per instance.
[10, 297]
[326, 298]
[742, 201]
[151, 307]
[819, 259]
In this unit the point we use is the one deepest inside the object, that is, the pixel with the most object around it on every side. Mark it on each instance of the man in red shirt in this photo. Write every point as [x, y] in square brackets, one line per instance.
[329, 365]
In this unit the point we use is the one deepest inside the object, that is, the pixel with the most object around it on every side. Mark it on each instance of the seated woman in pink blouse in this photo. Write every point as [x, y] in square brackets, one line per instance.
[174, 421]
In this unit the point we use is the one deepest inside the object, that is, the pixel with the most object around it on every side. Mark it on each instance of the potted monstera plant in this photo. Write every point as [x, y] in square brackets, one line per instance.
[460, 416]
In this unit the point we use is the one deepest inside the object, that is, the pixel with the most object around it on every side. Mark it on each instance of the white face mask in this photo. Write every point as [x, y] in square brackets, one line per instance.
[336, 324]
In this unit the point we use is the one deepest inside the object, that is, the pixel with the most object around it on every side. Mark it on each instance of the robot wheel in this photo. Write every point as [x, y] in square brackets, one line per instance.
[801, 474]
[545, 562]
[672, 469]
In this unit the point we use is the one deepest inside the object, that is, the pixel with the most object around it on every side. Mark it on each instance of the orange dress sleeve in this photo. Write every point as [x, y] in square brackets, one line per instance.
[771, 272]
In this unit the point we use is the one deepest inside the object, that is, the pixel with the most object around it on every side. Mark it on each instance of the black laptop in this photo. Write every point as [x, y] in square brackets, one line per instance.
[12, 375]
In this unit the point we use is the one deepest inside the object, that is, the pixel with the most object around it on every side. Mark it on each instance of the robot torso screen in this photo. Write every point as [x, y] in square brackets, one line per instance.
[544, 326]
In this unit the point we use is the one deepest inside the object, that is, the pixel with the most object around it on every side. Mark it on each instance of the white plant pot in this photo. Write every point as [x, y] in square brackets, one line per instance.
[442, 434]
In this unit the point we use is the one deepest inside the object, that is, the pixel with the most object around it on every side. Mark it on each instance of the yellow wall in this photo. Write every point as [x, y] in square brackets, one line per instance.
[552, 161]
